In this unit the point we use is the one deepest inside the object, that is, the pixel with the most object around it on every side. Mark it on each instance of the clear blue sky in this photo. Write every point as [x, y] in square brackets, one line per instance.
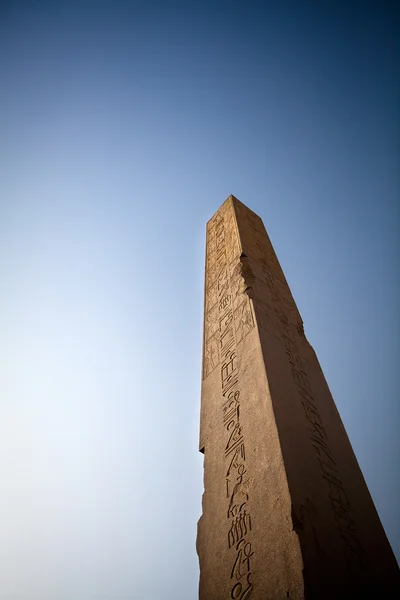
[124, 126]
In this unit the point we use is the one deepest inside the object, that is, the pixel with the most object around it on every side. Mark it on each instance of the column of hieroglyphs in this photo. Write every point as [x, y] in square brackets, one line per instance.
[228, 318]
[282, 308]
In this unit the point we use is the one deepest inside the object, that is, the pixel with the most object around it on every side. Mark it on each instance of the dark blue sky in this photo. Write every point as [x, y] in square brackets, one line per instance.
[124, 126]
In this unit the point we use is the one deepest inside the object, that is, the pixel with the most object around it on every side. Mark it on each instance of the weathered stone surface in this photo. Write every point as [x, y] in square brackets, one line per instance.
[286, 511]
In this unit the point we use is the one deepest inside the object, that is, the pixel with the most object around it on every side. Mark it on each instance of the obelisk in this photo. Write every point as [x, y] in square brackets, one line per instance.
[286, 511]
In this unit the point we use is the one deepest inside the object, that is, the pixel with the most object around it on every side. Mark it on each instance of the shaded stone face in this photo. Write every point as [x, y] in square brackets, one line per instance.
[286, 511]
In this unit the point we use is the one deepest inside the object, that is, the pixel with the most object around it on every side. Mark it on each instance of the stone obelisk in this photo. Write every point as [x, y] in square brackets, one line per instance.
[286, 511]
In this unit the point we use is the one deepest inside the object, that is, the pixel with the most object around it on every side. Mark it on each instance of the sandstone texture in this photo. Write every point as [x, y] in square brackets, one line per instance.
[286, 511]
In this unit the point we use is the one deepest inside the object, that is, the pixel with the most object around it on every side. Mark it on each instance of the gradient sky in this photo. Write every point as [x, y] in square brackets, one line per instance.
[124, 126]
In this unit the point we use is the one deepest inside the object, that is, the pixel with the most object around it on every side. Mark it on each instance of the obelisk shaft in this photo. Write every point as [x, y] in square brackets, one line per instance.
[286, 511]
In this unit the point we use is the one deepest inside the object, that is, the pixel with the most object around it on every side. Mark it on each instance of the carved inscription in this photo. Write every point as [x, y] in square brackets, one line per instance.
[225, 301]
[318, 437]
[235, 320]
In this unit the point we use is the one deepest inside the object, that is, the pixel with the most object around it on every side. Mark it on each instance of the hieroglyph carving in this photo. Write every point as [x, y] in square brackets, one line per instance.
[223, 251]
[355, 554]
[225, 290]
